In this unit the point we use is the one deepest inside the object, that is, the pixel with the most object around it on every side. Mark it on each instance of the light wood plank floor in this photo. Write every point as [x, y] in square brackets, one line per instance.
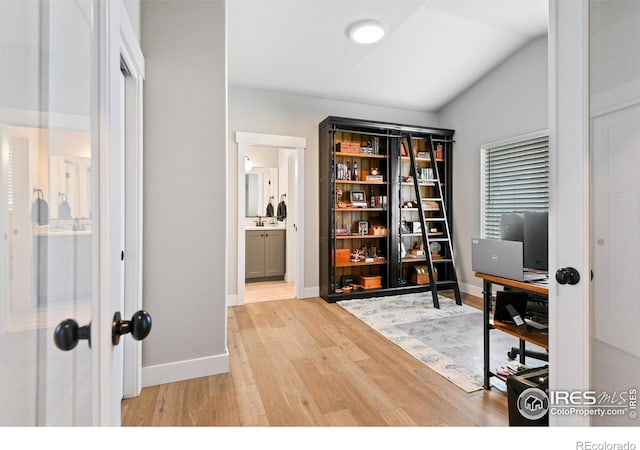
[310, 363]
[266, 291]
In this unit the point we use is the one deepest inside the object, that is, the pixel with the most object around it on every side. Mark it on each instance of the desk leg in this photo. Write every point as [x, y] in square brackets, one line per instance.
[486, 287]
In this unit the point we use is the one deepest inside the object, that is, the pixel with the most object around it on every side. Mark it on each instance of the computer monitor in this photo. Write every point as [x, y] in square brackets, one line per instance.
[512, 227]
[536, 240]
[532, 229]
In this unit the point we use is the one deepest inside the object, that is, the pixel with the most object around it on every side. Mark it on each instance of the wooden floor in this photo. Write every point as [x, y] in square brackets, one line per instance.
[310, 363]
[266, 291]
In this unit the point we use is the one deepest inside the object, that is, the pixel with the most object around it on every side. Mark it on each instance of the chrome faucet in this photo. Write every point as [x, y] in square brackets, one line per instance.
[259, 223]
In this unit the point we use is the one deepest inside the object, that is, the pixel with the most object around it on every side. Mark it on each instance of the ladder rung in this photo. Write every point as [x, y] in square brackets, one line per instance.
[432, 199]
[442, 140]
[439, 240]
[434, 219]
[442, 260]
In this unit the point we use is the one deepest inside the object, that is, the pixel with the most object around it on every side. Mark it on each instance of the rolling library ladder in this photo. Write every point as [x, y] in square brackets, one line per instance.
[435, 206]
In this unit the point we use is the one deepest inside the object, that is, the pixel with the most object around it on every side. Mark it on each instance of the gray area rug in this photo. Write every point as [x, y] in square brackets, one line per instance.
[449, 340]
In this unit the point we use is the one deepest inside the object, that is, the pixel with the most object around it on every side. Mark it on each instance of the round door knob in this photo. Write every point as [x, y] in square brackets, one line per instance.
[567, 275]
[139, 326]
[68, 333]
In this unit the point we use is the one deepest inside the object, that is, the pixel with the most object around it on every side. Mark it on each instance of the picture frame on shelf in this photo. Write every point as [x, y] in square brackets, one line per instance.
[363, 227]
[358, 199]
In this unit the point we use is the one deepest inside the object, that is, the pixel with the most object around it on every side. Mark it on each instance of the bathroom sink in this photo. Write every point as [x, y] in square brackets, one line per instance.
[277, 226]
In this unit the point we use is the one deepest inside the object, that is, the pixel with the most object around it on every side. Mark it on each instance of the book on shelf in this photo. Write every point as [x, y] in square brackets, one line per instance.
[374, 178]
[511, 368]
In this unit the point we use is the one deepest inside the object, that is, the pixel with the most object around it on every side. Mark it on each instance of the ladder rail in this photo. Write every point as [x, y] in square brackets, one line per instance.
[453, 273]
[441, 197]
[423, 228]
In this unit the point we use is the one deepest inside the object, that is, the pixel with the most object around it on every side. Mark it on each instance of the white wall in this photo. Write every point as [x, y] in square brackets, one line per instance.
[263, 156]
[132, 8]
[259, 111]
[509, 101]
[185, 138]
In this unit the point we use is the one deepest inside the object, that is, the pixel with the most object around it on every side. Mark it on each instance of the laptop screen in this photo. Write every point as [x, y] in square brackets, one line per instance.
[497, 257]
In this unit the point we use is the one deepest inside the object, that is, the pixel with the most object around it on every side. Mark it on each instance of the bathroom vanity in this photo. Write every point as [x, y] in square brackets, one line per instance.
[64, 261]
[265, 253]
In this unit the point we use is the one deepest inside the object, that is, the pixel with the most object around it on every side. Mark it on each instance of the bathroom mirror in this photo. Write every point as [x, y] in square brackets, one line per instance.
[70, 181]
[261, 184]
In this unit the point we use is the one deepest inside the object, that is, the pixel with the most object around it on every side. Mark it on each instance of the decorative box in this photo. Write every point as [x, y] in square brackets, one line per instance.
[347, 280]
[348, 147]
[374, 282]
[377, 230]
[343, 256]
[420, 275]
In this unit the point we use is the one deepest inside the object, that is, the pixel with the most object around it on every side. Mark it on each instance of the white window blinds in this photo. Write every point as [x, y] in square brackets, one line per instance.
[514, 177]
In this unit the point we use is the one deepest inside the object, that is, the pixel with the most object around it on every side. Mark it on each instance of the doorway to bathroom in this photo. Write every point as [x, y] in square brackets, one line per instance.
[270, 217]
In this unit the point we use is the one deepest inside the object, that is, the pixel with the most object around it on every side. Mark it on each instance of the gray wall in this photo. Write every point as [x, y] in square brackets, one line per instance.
[185, 137]
[259, 111]
[509, 101]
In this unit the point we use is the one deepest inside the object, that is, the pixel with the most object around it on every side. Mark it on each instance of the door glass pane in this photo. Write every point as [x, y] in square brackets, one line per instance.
[615, 202]
[47, 247]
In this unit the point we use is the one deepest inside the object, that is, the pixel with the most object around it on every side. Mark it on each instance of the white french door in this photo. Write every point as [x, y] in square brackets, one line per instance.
[62, 191]
[595, 212]
[49, 245]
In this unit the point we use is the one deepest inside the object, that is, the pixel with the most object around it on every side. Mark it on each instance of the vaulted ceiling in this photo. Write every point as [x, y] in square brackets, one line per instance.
[433, 49]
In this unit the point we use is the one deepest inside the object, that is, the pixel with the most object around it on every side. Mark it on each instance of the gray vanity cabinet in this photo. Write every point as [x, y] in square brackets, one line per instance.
[265, 254]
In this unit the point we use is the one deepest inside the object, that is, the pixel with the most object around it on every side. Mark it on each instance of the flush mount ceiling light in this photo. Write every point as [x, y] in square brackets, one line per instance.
[366, 32]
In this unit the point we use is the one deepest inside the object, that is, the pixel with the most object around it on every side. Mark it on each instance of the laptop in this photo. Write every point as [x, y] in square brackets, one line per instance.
[502, 259]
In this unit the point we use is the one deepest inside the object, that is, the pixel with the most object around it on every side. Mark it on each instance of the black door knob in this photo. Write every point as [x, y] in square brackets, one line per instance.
[139, 326]
[567, 275]
[68, 333]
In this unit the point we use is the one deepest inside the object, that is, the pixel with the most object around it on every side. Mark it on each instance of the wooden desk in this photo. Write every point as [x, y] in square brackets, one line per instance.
[537, 337]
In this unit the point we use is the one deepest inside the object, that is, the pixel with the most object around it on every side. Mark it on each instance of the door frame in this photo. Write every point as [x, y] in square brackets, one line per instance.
[299, 144]
[569, 310]
[115, 41]
[132, 57]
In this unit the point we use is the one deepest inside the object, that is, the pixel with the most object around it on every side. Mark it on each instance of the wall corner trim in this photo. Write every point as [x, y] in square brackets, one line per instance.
[185, 370]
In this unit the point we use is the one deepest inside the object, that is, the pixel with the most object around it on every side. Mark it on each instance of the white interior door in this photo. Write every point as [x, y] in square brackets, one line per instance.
[47, 261]
[595, 217]
[614, 99]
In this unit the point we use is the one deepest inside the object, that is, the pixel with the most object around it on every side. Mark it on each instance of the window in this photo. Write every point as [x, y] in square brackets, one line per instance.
[514, 177]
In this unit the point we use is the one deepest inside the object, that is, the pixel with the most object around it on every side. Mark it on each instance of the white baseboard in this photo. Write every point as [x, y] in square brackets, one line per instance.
[232, 300]
[471, 289]
[311, 292]
[185, 370]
